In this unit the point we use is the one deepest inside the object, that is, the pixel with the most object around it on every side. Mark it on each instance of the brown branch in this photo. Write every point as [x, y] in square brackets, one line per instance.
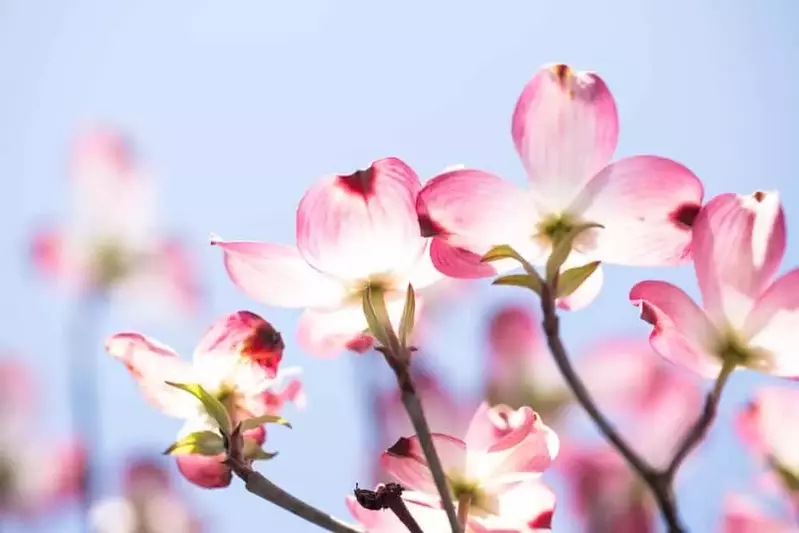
[699, 429]
[658, 482]
[265, 489]
[400, 364]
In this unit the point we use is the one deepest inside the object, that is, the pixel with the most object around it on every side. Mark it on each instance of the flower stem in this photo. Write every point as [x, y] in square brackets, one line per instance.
[400, 364]
[265, 489]
[464, 505]
[657, 482]
[698, 431]
[83, 393]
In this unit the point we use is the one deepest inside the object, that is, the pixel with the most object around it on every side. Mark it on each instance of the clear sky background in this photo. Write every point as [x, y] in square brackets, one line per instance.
[239, 106]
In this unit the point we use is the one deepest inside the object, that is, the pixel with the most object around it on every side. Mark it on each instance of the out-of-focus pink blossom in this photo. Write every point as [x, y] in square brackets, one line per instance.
[749, 319]
[353, 232]
[770, 426]
[608, 498]
[496, 466]
[520, 368]
[656, 404]
[565, 128]
[110, 243]
[148, 503]
[236, 360]
[36, 474]
[741, 515]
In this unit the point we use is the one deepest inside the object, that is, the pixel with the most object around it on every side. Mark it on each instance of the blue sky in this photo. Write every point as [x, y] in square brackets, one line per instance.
[238, 106]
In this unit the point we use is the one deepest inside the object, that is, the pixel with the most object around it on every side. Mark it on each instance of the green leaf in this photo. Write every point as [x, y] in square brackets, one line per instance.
[570, 280]
[521, 280]
[408, 317]
[374, 309]
[212, 405]
[503, 251]
[253, 450]
[252, 423]
[200, 442]
[563, 247]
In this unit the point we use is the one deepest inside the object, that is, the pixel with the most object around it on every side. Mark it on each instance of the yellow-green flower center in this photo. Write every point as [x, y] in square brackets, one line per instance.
[111, 262]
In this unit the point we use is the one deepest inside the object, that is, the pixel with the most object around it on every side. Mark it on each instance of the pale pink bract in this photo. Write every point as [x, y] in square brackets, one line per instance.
[749, 319]
[565, 128]
[353, 231]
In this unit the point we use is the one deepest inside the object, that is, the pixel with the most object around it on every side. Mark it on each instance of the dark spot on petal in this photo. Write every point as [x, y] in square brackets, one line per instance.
[360, 182]
[429, 227]
[542, 521]
[685, 215]
[562, 72]
[264, 346]
[360, 344]
[759, 196]
[648, 314]
[401, 448]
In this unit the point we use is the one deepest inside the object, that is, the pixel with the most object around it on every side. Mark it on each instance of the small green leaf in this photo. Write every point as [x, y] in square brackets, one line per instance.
[212, 405]
[252, 423]
[570, 280]
[408, 317]
[503, 251]
[563, 247]
[200, 442]
[253, 450]
[374, 309]
[521, 280]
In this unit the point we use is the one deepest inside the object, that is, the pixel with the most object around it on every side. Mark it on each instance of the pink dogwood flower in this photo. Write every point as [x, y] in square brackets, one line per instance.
[236, 361]
[749, 319]
[500, 460]
[36, 474]
[353, 232]
[148, 503]
[770, 426]
[110, 243]
[565, 128]
[741, 515]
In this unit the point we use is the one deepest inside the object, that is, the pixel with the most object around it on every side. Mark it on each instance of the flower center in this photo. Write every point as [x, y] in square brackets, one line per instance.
[463, 489]
[557, 226]
[111, 262]
[383, 282]
[733, 349]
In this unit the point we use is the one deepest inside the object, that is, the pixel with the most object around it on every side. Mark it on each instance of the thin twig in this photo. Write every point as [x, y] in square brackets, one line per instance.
[697, 432]
[265, 489]
[400, 364]
[656, 481]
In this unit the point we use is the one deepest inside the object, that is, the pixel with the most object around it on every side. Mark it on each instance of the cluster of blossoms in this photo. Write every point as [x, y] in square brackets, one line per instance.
[373, 244]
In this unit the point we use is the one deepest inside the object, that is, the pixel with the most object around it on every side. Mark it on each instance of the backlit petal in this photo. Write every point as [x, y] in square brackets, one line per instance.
[406, 463]
[277, 275]
[738, 244]
[474, 211]
[362, 224]
[647, 206]
[152, 364]
[565, 128]
[773, 326]
[242, 334]
[681, 331]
